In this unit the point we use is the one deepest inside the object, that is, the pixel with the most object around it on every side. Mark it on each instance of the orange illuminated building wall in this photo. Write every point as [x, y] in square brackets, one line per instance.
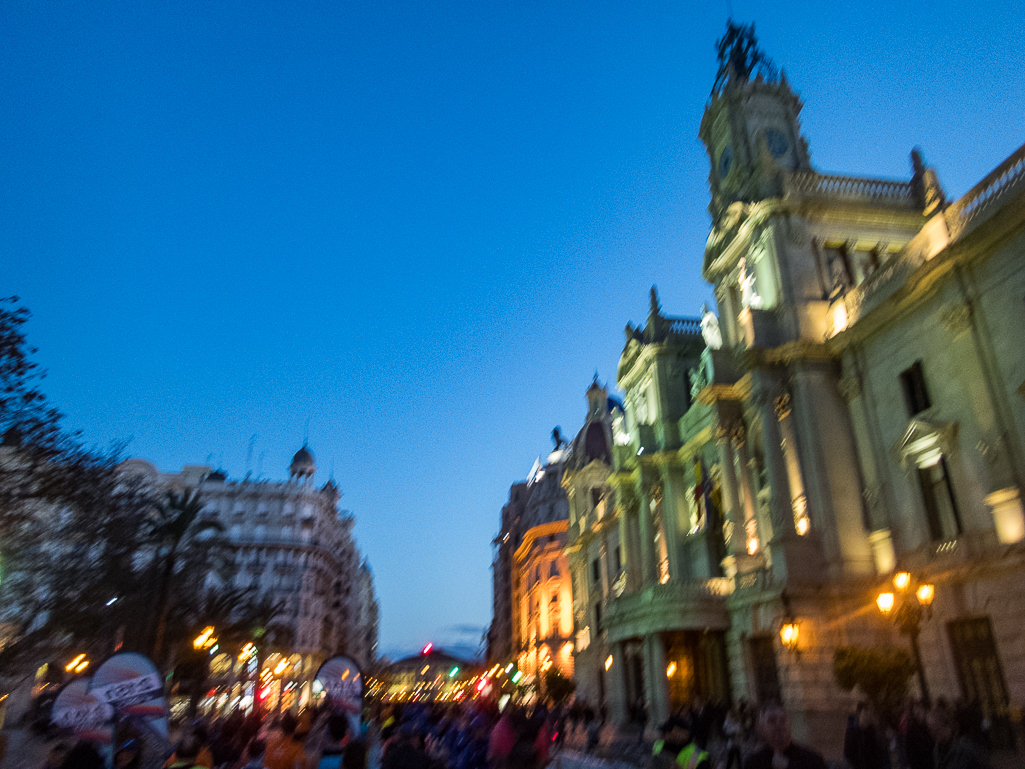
[543, 595]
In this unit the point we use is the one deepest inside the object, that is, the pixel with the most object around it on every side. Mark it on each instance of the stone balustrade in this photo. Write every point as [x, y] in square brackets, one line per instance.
[684, 326]
[852, 188]
[973, 208]
[677, 605]
[976, 205]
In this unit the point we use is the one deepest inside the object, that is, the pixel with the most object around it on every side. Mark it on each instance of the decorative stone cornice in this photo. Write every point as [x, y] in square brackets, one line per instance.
[957, 318]
[850, 387]
[785, 354]
[744, 222]
[782, 406]
[689, 450]
[544, 530]
[717, 392]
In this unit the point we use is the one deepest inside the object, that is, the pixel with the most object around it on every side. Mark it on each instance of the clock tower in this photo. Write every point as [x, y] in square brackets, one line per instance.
[750, 127]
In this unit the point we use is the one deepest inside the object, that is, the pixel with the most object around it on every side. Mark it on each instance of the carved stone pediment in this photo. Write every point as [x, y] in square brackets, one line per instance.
[924, 442]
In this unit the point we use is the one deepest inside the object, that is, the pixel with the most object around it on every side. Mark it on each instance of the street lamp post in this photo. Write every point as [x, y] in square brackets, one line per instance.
[908, 608]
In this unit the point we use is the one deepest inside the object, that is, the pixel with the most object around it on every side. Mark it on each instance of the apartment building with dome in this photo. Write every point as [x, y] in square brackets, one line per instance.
[291, 543]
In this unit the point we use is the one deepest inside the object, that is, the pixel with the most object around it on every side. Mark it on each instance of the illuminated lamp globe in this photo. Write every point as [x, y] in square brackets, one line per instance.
[789, 634]
[925, 594]
[885, 602]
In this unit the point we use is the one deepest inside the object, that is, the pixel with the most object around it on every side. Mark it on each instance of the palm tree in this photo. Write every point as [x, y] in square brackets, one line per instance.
[176, 521]
[220, 609]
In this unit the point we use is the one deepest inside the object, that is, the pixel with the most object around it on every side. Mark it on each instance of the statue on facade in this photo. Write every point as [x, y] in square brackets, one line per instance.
[698, 380]
[839, 282]
[710, 329]
[925, 185]
[740, 57]
[749, 295]
[557, 438]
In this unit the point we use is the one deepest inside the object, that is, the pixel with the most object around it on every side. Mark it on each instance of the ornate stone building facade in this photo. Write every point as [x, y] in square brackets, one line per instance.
[860, 412]
[293, 544]
[594, 549]
[533, 620]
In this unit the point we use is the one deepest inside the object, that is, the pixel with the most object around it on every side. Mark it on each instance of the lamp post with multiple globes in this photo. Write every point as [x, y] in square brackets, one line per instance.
[908, 605]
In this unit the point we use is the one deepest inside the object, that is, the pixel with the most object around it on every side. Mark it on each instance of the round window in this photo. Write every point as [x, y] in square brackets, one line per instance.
[725, 162]
[776, 142]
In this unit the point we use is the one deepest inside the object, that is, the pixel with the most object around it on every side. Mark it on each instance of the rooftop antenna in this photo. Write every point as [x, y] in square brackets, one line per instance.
[306, 435]
[259, 465]
[249, 456]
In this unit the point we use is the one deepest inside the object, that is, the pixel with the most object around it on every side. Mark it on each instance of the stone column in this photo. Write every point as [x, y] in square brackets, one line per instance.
[673, 491]
[649, 562]
[616, 684]
[626, 557]
[656, 685]
[834, 484]
[750, 516]
[612, 574]
[730, 498]
[780, 499]
[790, 455]
[603, 558]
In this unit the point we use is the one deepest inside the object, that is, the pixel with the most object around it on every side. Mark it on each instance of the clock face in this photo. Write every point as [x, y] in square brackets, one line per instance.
[725, 161]
[776, 142]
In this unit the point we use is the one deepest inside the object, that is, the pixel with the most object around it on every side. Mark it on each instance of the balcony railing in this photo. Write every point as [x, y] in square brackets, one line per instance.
[684, 326]
[853, 188]
[676, 604]
[972, 209]
[974, 206]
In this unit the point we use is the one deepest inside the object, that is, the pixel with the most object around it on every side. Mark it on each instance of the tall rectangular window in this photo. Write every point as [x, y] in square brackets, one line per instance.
[597, 616]
[912, 382]
[765, 671]
[617, 559]
[596, 570]
[941, 511]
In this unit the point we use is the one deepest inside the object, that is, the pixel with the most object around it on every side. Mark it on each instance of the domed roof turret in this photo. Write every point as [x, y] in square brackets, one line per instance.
[303, 465]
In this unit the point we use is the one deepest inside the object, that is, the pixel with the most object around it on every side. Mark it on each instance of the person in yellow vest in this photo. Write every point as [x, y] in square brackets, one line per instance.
[677, 747]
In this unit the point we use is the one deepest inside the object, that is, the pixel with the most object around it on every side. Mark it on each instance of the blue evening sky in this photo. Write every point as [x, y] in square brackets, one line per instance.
[418, 226]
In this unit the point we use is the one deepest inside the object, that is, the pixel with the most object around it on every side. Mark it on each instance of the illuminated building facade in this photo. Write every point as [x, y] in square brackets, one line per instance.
[648, 577]
[594, 545]
[500, 634]
[292, 544]
[532, 587]
[431, 676]
[860, 411]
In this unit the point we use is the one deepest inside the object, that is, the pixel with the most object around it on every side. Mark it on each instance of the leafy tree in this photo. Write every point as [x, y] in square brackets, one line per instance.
[69, 530]
[84, 549]
[557, 688]
[225, 609]
[177, 521]
[882, 674]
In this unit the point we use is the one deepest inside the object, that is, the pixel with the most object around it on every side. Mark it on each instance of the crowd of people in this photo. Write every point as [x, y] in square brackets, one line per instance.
[478, 736]
[744, 737]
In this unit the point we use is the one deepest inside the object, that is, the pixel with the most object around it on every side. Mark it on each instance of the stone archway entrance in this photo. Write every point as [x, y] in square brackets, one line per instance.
[696, 666]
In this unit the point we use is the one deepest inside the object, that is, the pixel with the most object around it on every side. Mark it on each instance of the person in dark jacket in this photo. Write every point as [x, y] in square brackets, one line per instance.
[780, 749]
[863, 744]
[406, 751]
[916, 741]
[953, 750]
